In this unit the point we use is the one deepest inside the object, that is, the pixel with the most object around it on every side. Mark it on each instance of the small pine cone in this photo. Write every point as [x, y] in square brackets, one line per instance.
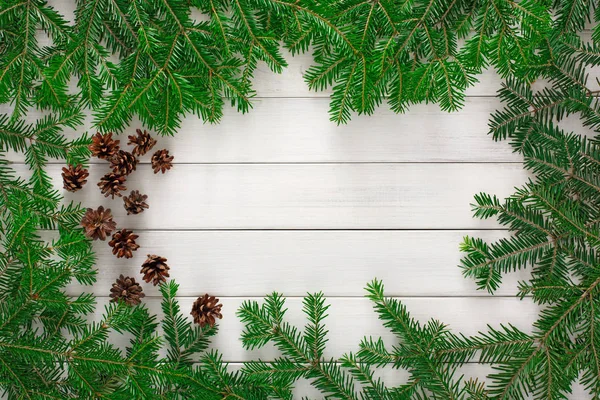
[111, 184]
[74, 177]
[123, 243]
[98, 224]
[205, 310]
[155, 269]
[123, 162]
[161, 161]
[143, 142]
[128, 290]
[135, 202]
[104, 146]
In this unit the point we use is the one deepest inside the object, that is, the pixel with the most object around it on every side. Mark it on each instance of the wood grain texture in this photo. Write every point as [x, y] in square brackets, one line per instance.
[350, 319]
[306, 196]
[247, 263]
[299, 131]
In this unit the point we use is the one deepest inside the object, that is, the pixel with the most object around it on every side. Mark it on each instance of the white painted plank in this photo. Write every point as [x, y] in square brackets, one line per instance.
[305, 196]
[351, 319]
[299, 130]
[251, 263]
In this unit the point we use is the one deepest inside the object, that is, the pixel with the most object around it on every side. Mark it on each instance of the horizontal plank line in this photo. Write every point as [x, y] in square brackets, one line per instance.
[375, 368]
[310, 229]
[54, 162]
[241, 363]
[390, 365]
[304, 162]
[72, 23]
[322, 95]
[362, 297]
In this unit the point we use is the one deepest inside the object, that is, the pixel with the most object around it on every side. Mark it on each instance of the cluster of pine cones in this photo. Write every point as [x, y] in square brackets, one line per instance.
[99, 223]
[122, 164]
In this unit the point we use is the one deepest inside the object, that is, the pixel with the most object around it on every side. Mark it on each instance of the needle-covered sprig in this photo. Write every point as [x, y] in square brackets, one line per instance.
[160, 60]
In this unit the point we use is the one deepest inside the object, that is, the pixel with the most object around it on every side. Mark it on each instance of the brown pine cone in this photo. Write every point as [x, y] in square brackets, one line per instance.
[205, 310]
[111, 184]
[123, 162]
[104, 146]
[155, 269]
[123, 243]
[128, 290]
[135, 202]
[74, 177]
[161, 161]
[98, 224]
[143, 142]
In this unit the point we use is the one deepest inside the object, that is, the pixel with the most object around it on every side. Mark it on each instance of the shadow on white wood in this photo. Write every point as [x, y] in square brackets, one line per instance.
[339, 263]
[305, 196]
[298, 130]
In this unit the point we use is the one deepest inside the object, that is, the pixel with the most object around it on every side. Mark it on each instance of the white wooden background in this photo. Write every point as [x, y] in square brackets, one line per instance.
[282, 199]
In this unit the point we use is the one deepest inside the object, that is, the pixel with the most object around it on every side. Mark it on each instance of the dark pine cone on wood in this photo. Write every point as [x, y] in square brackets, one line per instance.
[112, 184]
[104, 146]
[98, 224]
[123, 162]
[155, 269]
[123, 243]
[135, 202]
[161, 161]
[127, 290]
[74, 177]
[143, 142]
[205, 310]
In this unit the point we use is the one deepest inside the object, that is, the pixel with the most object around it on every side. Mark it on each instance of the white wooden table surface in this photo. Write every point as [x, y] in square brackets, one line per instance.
[281, 199]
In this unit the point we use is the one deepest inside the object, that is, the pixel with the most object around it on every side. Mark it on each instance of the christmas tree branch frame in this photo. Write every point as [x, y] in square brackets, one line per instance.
[170, 66]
